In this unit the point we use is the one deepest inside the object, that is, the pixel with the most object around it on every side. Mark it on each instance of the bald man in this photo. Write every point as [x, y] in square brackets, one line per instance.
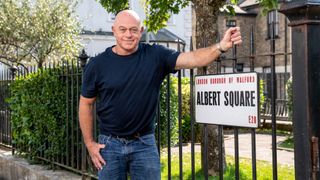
[125, 82]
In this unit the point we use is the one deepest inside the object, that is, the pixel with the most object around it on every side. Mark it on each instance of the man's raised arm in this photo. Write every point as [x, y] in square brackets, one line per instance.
[204, 56]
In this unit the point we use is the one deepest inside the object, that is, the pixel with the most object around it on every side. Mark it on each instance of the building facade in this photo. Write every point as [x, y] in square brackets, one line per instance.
[250, 18]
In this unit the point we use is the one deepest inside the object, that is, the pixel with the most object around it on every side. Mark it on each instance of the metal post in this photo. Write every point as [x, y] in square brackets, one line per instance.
[305, 23]
[273, 103]
[83, 57]
[13, 71]
[253, 131]
[192, 118]
[168, 126]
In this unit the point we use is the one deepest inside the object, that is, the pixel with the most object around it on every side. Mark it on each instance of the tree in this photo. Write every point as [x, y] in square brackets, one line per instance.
[34, 32]
[204, 34]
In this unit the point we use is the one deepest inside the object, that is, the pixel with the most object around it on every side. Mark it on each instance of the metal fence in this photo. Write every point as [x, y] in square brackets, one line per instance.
[76, 157]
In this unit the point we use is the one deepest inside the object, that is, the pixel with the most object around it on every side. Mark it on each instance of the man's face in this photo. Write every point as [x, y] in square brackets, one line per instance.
[127, 32]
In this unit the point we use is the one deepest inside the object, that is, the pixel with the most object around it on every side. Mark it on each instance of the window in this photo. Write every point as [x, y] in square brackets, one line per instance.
[273, 18]
[266, 69]
[239, 67]
[112, 17]
[231, 23]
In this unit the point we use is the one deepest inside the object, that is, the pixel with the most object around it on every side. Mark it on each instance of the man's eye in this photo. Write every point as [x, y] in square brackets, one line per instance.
[122, 30]
[134, 30]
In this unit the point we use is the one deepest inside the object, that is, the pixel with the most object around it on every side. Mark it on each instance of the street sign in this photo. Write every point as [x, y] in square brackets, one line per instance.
[227, 99]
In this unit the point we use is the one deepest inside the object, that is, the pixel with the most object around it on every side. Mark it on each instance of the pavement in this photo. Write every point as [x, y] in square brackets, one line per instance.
[263, 148]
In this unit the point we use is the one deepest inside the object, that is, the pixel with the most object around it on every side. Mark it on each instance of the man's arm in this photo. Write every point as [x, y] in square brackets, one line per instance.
[86, 125]
[204, 56]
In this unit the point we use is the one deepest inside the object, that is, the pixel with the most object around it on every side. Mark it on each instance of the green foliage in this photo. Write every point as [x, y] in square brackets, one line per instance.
[185, 112]
[264, 169]
[268, 5]
[159, 11]
[173, 112]
[290, 97]
[261, 93]
[114, 6]
[288, 142]
[38, 31]
[38, 113]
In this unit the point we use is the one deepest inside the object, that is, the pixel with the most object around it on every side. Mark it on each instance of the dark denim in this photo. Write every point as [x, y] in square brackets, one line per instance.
[137, 158]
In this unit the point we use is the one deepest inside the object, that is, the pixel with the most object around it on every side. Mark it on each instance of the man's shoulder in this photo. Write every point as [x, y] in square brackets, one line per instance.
[151, 48]
[99, 57]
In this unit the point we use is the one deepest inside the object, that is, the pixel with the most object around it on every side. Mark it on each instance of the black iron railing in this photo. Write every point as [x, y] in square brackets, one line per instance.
[76, 157]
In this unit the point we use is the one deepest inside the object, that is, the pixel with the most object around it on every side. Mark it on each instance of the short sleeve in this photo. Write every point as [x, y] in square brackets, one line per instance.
[89, 89]
[168, 59]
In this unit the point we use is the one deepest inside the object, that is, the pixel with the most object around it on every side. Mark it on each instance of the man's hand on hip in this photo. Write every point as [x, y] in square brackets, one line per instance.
[94, 151]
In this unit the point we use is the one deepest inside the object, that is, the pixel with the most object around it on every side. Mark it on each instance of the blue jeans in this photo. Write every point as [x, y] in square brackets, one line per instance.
[138, 158]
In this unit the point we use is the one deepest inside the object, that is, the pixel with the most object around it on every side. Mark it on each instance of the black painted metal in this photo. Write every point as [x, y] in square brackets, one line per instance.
[168, 126]
[180, 121]
[180, 125]
[273, 106]
[236, 152]
[305, 25]
[83, 168]
[221, 154]
[220, 131]
[253, 131]
[192, 124]
[205, 154]
[67, 118]
[72, 77]
[236, 130]
[192, 118]
[205, 127]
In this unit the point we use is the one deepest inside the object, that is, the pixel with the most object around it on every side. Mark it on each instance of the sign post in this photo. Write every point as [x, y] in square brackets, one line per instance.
[227, 99]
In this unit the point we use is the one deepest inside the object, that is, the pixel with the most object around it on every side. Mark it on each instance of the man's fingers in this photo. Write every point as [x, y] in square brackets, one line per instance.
[238, 42]
[236, 34]
[96, 158]
[236, 39]
[101, 146]
[101, 160]
[96, 163]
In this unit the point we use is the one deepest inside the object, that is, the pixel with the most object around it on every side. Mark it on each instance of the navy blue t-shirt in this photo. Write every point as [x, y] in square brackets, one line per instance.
[127, 87]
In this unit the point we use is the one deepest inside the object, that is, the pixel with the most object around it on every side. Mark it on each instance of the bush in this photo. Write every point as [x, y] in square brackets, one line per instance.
[290, 97]
[185, 115]
[185, 112]
[38, 113]
[173, 112]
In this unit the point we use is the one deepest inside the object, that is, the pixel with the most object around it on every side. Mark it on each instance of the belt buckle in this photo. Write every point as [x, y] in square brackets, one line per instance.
[130, 137]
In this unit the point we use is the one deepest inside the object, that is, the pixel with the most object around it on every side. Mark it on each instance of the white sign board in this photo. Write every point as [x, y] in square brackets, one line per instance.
[227, 99]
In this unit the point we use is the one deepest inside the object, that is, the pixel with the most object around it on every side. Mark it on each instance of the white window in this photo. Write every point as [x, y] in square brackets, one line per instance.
[273, 18]
[112, 17]
[231, 23]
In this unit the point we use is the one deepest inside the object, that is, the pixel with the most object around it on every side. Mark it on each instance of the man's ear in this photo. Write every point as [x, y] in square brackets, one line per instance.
[142, 29]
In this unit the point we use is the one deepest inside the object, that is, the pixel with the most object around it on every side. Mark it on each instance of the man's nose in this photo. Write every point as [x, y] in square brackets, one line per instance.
[128, 33]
